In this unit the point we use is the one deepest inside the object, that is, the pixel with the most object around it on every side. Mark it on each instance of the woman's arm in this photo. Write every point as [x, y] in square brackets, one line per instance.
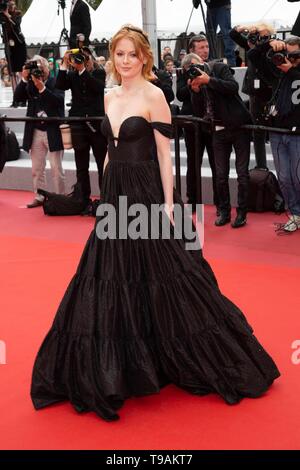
[160, 112]
[106, 101]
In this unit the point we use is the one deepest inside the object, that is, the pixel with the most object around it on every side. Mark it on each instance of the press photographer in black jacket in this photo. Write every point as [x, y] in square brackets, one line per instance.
[256, 84]
[224, 106]
[87, 83]
[205, 138]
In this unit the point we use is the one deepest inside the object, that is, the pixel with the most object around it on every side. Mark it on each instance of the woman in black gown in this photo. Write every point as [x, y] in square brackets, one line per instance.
[143, 313]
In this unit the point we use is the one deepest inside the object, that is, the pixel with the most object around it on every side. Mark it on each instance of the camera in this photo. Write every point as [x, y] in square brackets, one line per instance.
[80, 54]
[278, 58]
[252, 38]
[255, 38]
[77, 56]
[34, 68]
[195, 70]
[3, 5]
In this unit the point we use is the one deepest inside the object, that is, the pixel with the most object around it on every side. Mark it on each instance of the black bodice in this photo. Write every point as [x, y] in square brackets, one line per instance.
[136, 141]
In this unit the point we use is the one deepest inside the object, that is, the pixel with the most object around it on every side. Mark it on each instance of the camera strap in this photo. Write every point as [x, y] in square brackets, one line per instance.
[270, 107]
[91, 127]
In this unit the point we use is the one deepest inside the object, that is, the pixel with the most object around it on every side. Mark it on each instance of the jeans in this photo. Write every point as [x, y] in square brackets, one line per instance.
[223, 141]
[39, 151]
[286, 154]
[222, 17]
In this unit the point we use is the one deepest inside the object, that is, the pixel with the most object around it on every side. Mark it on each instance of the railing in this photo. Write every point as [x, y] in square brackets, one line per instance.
[179, 123]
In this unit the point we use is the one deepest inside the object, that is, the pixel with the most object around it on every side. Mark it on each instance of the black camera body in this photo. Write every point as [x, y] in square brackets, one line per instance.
[34, 68]
[278, 58]
[195, 70]
[3, 5]
[77, 56]
[252, 38]
[255, 38]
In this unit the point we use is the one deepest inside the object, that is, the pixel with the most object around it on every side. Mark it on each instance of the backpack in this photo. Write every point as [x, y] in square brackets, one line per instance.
[13, 148]
[3, 146]
[59, 204]
[264, 192]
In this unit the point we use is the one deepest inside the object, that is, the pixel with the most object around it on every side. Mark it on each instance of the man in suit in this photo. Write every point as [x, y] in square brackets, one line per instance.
[87, 83]
[41, 138]
[80, 20]
[224, 105]
[199, 53]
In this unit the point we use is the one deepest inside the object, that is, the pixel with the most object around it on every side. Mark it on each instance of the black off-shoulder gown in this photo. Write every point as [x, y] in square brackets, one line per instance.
[140, 314]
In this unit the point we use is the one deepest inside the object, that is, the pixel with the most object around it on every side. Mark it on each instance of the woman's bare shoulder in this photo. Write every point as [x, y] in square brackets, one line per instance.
[110, 95]
[154, 92]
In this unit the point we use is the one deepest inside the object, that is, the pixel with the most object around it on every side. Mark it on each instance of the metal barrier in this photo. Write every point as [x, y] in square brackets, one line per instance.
[179, 123]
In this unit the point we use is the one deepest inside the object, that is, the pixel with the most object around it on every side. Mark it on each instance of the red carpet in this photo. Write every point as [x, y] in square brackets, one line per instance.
[257, 269]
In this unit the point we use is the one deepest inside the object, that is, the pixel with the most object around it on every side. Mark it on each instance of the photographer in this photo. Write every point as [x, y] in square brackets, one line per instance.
[283, 57]
[164, 81]
[223, 105]
[80, 20]
[41, 138]
[15, 46]
[87, 85]
[184, 95]
[255, 84]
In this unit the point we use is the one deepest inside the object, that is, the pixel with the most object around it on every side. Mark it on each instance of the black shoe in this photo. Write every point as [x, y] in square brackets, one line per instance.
[218, 211]
[35, 203]
[261, 168]
[240, 220]
[223, 219]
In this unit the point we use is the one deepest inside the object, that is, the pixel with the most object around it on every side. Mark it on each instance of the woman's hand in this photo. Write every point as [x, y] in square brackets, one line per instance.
[169, 209]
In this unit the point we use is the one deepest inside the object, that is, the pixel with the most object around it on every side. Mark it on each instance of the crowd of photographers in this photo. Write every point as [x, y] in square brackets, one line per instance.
[207, 89]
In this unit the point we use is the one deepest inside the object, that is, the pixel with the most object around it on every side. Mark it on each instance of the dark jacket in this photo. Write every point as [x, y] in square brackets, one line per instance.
[258, 57]
[164, 82]
[223, 93]
[51, 101]
[183, 94]
[87, 91]
[80, 23]
[288, 109]
[252, 72]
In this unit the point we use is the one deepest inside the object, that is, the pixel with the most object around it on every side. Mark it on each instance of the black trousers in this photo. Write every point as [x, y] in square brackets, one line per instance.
[191, 177]
[223, 142]
[84, 139]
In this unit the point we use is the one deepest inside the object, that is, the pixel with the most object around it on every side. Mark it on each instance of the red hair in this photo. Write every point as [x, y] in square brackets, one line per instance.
[141, 45]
